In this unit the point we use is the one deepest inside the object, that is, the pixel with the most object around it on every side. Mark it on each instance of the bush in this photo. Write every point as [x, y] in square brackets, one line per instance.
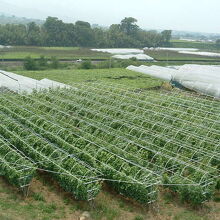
[86, 65]
[43, 63]
[138, 218]
[30, 64]
[54, 63]
[133, 59]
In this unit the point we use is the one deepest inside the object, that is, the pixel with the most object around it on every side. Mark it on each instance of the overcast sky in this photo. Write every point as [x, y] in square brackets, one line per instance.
[189, 15]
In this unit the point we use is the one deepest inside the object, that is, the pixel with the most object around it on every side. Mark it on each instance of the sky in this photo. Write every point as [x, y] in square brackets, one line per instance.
[186, 15]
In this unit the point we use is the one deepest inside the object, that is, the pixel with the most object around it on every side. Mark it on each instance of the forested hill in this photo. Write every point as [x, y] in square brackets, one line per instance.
[11, 19]
[54, 32]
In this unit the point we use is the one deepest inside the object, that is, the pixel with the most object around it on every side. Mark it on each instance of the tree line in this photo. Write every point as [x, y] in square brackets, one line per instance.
[55, 32]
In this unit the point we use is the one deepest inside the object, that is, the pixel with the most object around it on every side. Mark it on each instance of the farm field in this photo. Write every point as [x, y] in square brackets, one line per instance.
[175, 56]
[65, 53]
[207, 46]
[116, 75]
[74, 53]
[128, 134]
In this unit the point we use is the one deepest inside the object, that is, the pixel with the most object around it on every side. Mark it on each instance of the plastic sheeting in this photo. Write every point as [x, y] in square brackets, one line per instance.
[120, 51]
[204, 79]
[151, 71]
[137, 56]
[2, 46]
[52, 84]
[171, 49]
[207, 54]
[17, 83]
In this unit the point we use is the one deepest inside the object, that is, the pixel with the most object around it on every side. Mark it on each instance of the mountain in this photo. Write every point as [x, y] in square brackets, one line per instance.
[11, 19]
[18, 10]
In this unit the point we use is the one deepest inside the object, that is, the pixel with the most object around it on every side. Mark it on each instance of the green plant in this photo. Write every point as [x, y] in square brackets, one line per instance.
[38, 197]
[86, 65]
[30, 64]
[139, 217]
[54, 63]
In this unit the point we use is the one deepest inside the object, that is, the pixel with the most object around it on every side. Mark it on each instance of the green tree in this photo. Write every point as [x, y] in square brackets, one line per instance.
[166, 36]
[84, 34]
[34, 37]
[129, 26]
[55, 32]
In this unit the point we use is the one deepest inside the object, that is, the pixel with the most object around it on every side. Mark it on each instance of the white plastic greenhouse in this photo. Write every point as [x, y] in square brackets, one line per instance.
[120, 51]
[204, 79]
[207, 54]
[137, 56]
[17, 83]
[171, 49]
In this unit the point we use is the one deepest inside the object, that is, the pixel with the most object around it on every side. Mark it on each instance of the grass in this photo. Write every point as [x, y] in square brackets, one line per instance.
[66, 53]
[122, 76]
[108, 205]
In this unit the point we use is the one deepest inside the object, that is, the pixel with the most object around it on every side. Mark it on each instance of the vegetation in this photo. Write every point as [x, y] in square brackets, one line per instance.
[62, 53]
[99, 210]
[117, 75]
[218, 43]
[6, 19]
[55, 32]
[15, 167]
[41, 64]
[207, 46]
[166, 55]
[104, 125]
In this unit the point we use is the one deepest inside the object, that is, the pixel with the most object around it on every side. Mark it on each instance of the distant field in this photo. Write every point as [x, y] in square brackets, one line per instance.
[73, 53]
[207, 46]
[175, 56]
[68, 53]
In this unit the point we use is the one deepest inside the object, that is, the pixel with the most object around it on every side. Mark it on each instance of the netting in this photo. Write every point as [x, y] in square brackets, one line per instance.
[135, 141]
[15, 166]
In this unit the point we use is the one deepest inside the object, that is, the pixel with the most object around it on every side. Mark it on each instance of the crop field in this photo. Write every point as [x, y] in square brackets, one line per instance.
[137, 140]
[94, 133]
[66, 53]
[175, 56]
[73, 53]
[117, 75]
[208, 46]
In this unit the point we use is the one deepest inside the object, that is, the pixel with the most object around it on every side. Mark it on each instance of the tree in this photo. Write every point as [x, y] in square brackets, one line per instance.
[166, 36]
[33, 34]
[55, 32]
[84, 34]
[100, 37]
[129, 26]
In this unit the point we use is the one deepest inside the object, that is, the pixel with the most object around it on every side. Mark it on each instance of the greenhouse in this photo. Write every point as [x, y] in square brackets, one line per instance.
[143, 57]
[204, 79]
[17, 83]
